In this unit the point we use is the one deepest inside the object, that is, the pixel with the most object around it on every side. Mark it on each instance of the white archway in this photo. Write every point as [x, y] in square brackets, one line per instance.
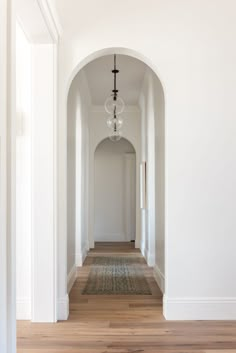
[152, 152]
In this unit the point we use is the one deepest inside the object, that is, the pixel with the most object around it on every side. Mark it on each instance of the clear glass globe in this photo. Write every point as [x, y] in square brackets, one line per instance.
[114, 123]
[114, 106]
[115, 136]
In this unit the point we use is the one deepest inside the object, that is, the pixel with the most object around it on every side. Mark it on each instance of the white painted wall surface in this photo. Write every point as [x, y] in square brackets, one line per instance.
[146, 102]
[159, 111]
[110, 183]
[23, 175]
[7, 165]
[190, 46]
[43, 206]
[77, 172]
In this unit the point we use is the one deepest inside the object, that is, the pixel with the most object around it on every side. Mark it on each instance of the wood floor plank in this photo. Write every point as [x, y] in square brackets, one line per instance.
[123, 323]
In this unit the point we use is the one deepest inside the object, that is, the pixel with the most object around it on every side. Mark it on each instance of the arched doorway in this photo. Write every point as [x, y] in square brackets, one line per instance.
[145, 129]
[114, 192]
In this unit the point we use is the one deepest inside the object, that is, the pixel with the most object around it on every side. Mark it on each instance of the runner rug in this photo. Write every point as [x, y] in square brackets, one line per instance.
[117, 275]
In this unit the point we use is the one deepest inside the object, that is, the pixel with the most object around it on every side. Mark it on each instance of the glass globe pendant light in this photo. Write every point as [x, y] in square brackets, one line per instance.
[114, 122]
[115, 136]
[117, 104]
[114, 105]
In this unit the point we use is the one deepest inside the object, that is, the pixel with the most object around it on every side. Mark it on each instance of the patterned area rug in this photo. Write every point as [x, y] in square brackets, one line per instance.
[117, 275]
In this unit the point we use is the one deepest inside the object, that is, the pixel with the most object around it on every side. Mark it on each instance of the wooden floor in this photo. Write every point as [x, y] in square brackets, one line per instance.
[123, 324]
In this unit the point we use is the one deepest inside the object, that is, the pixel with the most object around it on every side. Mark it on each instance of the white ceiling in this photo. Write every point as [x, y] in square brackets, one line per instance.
[77, 16]
[129, 79]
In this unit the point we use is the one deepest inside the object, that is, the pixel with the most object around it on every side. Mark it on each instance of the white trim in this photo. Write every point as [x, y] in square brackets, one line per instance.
[50, 19]
[160, 278]
[63, 308]
[55, 176]
[23, 309]
[71, 278]
[201, 308]
[80, 257]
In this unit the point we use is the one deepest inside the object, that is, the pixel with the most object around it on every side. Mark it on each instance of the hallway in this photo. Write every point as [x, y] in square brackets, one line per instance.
[122, 323]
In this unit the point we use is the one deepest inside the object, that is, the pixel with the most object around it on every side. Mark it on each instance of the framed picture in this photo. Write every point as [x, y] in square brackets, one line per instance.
[143, 185]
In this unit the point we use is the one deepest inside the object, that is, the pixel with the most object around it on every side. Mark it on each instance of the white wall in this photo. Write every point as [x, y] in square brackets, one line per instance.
[7, 180]
[98, 132]
[23, 175]
[77, 176]
[146, 103]
[159, 111]
[110, 203]
[43, 183]
[190, 44]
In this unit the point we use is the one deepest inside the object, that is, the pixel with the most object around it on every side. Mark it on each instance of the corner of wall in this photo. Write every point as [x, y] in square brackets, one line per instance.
[81, 256]
[71, 278]
[23, 309]
[63, 308]
[160, 278]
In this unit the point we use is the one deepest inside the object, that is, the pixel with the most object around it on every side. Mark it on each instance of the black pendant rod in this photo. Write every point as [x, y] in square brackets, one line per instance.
[115, 71]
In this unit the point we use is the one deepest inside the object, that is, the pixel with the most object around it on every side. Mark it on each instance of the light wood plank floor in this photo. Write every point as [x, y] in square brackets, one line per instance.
[123, 324]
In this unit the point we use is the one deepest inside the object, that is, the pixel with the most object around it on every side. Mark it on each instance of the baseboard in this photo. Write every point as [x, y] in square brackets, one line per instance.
[63, 308]
[80, 257]
[208, 308]
[23, 309]
[71, 279]
[160, 278]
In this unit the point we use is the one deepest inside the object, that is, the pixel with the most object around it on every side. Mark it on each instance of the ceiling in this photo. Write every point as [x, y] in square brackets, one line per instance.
[129, 79]
[77, 16]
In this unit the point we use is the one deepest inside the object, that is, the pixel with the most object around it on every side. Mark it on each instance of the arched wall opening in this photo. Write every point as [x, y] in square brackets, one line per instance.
[145, 129]
[115, 191]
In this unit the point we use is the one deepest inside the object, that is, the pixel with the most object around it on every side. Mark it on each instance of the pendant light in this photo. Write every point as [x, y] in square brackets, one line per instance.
[114, 106]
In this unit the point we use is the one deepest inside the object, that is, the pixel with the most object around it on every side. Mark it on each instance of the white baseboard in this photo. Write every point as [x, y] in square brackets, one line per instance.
[23, 309]
[160, 278]
[80, 257]
[63, 308]
[209, 308]
[71, 279]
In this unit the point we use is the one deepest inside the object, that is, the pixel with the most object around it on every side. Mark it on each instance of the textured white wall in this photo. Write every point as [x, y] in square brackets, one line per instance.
[110, 205]
[23, 175]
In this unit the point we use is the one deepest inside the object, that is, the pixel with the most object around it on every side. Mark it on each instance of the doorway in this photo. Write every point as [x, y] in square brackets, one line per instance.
[115, 192]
